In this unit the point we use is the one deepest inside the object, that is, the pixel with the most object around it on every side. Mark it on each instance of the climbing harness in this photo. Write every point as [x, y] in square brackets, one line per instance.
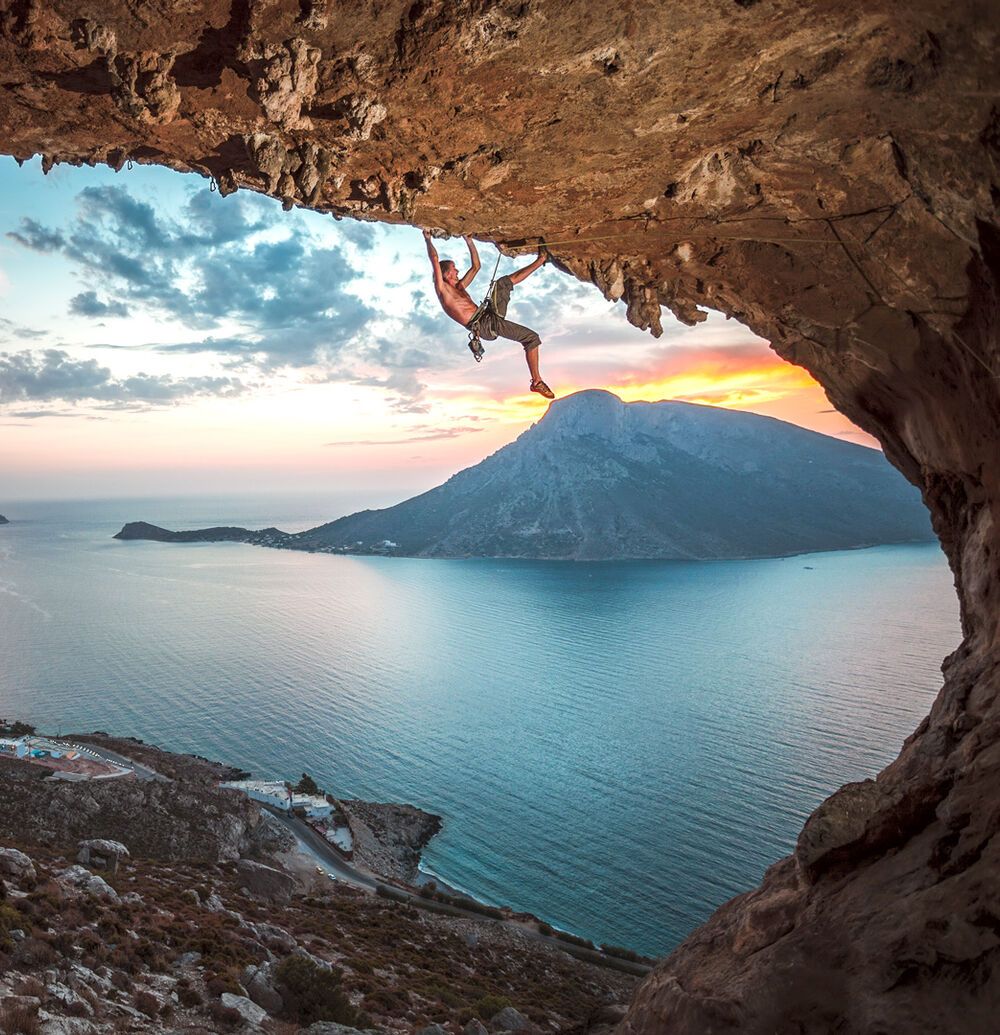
[475, 345]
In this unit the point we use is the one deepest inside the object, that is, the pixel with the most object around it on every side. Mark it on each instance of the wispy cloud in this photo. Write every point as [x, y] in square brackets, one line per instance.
[9, 329]
[430, 435]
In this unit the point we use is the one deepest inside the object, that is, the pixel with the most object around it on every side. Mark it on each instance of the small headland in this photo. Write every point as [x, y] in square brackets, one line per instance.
[220, 534]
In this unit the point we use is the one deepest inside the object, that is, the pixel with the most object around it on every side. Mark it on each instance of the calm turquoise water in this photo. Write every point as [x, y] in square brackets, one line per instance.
[618, 748]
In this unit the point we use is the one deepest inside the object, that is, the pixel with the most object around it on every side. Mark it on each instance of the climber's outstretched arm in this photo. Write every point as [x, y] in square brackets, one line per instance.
[433, 255]
[474, 257]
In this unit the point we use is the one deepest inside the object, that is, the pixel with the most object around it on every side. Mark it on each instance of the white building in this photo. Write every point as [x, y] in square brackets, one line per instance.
[14, 747]
[277, 795]
[315, 806]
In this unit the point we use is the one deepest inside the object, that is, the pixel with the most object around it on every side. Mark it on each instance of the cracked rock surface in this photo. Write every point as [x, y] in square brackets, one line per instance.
[827, 174]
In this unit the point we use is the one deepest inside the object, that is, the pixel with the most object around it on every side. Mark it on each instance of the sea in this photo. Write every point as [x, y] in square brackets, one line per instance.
[618, 748]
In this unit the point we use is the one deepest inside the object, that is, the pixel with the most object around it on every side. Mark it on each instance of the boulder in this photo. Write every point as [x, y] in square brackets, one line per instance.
[273, 937]
[332, 1028]
[81, 879]
[50, 1024]
[250, 1012]
[101, 854]
[259, 983]
[475, 1027]
[16, 864]
[264, 881]
[57, 992]
[509, 1019]
[433, 1029]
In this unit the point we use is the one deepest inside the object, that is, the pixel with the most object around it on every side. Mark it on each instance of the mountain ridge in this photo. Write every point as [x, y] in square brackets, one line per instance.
[597, 478]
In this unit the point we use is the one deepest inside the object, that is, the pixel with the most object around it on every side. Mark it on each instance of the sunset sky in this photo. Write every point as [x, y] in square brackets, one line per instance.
[156, 339]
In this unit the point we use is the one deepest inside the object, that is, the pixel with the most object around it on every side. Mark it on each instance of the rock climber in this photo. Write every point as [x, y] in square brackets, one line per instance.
[488, 320]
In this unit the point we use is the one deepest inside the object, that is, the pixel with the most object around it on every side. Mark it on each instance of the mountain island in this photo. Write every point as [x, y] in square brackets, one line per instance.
[600, 479]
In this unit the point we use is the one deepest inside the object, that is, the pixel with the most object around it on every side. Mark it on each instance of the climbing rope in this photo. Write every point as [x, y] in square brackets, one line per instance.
[682, 237]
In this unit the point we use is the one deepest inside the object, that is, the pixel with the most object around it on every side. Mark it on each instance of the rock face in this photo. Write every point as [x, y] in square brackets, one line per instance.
[830, 181]
[161, 820]
[388, 838]
[265, 882]
[600, 479]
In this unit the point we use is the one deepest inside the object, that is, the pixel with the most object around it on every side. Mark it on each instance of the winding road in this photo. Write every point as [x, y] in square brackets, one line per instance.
[332, 862]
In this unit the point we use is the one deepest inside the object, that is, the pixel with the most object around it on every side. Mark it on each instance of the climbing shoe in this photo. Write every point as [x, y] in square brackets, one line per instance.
[542, 389]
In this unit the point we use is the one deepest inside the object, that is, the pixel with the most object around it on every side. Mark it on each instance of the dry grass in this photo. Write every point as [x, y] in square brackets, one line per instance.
[398, 963]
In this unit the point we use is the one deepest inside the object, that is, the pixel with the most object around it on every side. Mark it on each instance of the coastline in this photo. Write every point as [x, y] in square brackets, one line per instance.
[422, 888]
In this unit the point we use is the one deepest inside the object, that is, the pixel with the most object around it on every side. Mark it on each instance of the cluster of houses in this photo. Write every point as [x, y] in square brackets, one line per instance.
[281, 796]
[14, 747]
[317, 810]
[37, 747]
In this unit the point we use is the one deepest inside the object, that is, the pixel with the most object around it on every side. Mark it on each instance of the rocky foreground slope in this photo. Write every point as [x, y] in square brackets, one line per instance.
[227, 927]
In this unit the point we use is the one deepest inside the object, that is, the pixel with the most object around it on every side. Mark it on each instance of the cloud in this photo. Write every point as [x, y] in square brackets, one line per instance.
[88, 304]
[430, 434]
[53, 375]
[37, 237]
[16, 330]
[235, 262]
[39, 414]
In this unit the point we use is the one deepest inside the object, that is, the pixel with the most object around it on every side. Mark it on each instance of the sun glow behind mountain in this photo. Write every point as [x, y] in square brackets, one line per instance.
[155, 338]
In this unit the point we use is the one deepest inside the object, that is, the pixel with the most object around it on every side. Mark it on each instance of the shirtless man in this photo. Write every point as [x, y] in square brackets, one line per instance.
[492, 323]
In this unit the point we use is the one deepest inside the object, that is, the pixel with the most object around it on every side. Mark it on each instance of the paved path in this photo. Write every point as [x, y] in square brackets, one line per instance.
[142, 772]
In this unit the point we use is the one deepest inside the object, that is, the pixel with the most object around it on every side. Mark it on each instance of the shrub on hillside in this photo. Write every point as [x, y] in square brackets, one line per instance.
[147, 1003]
[10, 920]
[19, 1020]
[312, 993]
[490, 1005]
[225, 1015]
[624, 954]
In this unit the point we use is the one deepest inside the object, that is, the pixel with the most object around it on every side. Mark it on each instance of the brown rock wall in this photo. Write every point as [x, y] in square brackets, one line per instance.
[825, 172]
